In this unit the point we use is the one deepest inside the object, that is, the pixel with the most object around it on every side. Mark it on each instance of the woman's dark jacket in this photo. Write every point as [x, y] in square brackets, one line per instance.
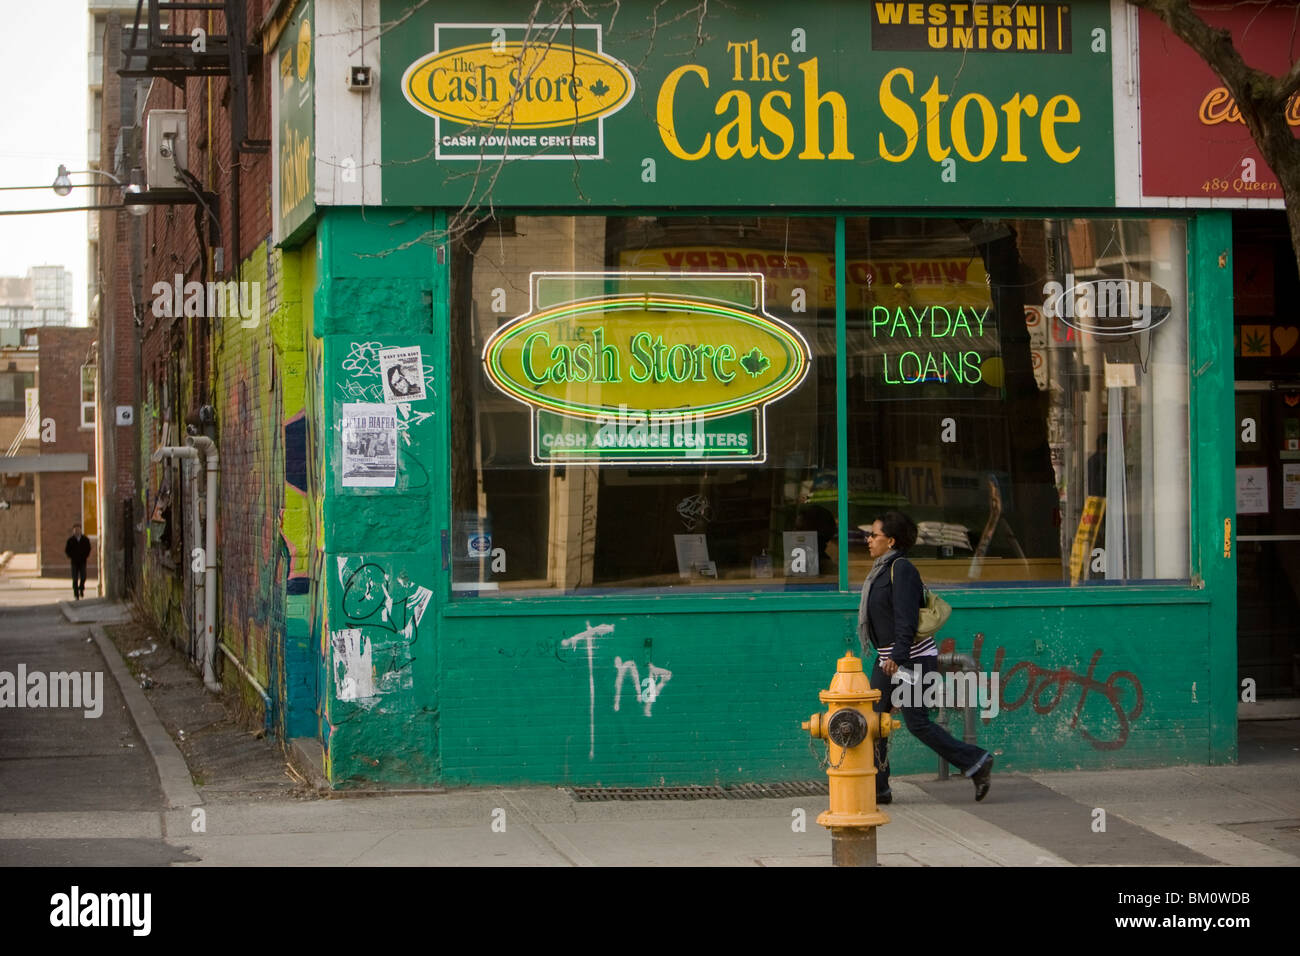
[892, 605]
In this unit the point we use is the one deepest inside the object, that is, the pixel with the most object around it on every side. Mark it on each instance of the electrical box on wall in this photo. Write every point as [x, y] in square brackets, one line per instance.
[166, 147]
[360, 79]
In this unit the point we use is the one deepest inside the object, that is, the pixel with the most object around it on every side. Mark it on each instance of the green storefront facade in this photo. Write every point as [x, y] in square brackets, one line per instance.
[622, 330]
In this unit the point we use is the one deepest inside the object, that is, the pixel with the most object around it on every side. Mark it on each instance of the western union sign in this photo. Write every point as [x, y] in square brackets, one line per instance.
[978, 27]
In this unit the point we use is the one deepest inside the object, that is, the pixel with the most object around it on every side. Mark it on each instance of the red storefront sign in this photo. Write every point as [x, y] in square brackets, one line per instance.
[1194, 142]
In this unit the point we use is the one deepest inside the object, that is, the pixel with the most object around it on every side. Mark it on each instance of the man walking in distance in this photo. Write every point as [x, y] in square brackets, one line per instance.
[78, 550]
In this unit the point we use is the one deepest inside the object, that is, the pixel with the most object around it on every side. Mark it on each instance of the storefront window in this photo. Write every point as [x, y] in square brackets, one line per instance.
[649, 403]
[1019, 387]
[644, 403]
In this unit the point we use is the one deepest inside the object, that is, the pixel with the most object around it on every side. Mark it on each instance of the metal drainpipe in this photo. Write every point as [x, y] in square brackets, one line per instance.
[187, 453]
[211, 645]
[209, 449]
[959, 662]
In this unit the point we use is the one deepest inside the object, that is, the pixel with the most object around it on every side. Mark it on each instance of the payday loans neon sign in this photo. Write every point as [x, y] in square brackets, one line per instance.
[647, 367]
[956, 329]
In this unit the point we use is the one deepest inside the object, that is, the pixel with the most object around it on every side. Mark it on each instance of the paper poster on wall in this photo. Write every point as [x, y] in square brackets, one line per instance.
[403, 374]
[1252, 491]
[1291, 487]
[369, 445]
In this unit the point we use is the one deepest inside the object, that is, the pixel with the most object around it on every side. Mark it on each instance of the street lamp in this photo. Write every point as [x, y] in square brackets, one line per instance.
[63, 185]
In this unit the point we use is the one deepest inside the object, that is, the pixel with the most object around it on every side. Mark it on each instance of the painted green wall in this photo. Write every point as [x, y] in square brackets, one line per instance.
[1082, 687]
[380, 544]
[1213, 459]
[507, 691]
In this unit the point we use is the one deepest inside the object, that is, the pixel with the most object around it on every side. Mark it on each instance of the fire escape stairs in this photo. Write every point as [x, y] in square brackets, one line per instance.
[155, 51]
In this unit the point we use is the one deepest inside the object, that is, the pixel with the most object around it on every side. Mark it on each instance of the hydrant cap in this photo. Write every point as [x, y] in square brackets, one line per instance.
[849, 664]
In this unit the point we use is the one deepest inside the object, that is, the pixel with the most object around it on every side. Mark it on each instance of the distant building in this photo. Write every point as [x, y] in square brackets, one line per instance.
[19, 434]
[47, 443]
[98, 13]
[41, 298]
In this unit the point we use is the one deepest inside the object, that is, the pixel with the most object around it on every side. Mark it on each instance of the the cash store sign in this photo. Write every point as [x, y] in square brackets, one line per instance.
[646, 368]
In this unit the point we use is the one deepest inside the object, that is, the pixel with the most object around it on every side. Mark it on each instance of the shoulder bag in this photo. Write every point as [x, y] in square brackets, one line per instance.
[933, 614]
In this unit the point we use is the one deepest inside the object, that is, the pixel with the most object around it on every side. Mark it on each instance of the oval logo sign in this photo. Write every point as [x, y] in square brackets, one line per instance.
[650, 353]
[523, 86]
[1107, 306]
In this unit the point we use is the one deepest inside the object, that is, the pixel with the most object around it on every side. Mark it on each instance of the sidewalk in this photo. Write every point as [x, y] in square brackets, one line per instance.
[21, 584]
[246, 809]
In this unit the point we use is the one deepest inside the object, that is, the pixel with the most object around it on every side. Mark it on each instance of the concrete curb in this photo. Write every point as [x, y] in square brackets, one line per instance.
[307, 757]
[96, 611]
[173, 774]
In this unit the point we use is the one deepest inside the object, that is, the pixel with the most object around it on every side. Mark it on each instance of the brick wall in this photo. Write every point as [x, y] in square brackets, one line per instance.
[235, 379]
[119, 234]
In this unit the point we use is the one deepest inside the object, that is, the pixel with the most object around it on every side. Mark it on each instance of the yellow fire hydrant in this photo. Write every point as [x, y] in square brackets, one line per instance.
[850, 726]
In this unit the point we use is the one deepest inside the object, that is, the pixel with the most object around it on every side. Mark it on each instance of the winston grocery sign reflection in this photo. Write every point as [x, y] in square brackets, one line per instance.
[646, 367]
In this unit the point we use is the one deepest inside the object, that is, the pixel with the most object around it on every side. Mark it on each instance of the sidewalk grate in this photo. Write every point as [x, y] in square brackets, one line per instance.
[741, 791]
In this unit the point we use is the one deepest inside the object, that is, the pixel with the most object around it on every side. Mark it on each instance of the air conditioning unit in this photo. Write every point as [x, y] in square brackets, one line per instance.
[166, 148]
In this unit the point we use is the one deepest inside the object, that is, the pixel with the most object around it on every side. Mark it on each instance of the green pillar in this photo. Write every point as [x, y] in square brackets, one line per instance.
[1213, 463]
[381, 541]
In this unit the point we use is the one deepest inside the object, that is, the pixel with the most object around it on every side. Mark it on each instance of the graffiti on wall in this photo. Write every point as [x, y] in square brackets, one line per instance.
[1105, 710]
[363, 381]
[252, 496]
[647, 691]
[380, 612]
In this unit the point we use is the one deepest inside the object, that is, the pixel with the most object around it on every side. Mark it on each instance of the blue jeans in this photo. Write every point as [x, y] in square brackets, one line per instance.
[917, 720]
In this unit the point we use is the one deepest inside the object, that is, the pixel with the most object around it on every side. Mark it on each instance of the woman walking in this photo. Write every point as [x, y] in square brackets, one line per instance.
[892, 596]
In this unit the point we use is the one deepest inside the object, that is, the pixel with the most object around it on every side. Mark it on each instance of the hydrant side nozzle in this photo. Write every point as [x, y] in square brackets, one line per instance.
[815, 726]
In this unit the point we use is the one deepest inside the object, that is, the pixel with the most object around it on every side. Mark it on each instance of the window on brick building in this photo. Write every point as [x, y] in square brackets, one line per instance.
[88, 377]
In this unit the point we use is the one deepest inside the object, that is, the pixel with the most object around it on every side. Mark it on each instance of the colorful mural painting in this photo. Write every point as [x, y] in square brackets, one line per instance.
[266, 520]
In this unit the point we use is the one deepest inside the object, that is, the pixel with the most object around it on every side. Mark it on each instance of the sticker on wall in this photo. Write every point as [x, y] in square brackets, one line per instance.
[647, 368]
[478, 546]
[369, 445]
[402, 370]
